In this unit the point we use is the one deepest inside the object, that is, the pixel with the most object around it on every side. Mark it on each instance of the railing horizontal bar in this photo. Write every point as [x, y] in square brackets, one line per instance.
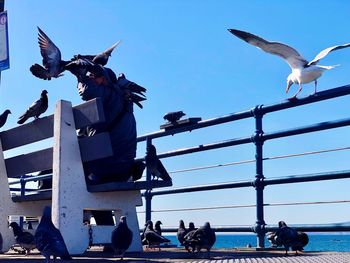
[308, 177]
[306, 129]
[272, 181]
[320, 96]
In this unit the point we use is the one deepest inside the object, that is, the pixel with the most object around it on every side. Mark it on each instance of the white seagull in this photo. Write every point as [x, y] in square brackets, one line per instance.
[302, 70]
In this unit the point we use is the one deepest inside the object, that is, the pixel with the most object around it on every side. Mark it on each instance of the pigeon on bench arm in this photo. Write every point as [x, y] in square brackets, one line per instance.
[203, 237]
[48, 238]
[303, 71]
[3, 117]
[154, 165]
[101, 58]
[121, 238]
[23, 238]
[152, 238]
[53, 65]
[38, 107]
[173, 117]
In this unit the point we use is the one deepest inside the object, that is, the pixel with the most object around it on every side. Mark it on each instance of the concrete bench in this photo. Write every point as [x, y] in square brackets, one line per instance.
[70, 195]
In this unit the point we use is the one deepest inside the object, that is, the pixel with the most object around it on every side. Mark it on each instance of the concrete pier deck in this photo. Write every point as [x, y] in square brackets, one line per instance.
[95, 254]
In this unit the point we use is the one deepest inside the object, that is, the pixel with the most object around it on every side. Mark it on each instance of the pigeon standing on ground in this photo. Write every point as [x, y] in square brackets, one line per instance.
[189, 234]
[154, 165]
[157, 227]
[301, 241]
[23, 238]
[285, 236]
[303, 71]
[181, 232]
[101, 58]
[202, 238]
[152, 238]
[53, 65]
[121, 238]
[143, 240]
[3, 117]
[173, 117]
[38, 107]
[48, 238]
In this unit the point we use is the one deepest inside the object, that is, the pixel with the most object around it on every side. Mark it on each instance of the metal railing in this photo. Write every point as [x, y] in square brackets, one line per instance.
[258, 139]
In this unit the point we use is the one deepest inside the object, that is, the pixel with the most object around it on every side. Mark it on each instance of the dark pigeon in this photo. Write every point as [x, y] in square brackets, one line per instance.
[53, 66]
[173, 117]
[132, 91]
[202, 238]
[23, 238]
[101, 58]
[154, 165]
[48, 238]
[143, 240]
[157, 227]
[3, 117]
[181, 232]
[301, 241]
[121, 238]
[285, 236]
[38, 107]
[152, 238]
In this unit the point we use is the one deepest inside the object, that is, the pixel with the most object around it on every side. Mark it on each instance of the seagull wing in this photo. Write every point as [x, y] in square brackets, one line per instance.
[50, 53]
[293, 58]
[325, 52]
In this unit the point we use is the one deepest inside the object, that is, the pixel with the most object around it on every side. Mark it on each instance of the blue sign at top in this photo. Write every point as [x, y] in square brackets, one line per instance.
[4, 47]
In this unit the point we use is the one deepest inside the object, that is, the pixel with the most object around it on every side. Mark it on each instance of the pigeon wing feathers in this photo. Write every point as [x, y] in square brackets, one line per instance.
[50, 53]
[325, 52]
[293, 58]
[40, 72]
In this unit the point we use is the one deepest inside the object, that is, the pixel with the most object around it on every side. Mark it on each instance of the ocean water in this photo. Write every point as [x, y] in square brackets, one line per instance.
[331, 242]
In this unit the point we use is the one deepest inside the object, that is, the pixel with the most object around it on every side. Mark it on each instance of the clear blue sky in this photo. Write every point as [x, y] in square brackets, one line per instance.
[183, 54]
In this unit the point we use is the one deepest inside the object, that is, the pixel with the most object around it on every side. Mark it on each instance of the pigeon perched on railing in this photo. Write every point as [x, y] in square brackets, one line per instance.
[3, 117]
[53, 65]
[23, 238]
[48, 238]
[202, 238]
[157, 227]
[101, 58]
[38, 107]
[154, 165]
[173, 117]
[121, 238]
[152, 238]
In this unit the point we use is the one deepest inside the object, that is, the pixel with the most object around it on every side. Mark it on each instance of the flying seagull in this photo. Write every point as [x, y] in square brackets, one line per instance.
[53, 66]
[23, 238]
[121, 238]
[48, 238]
[303, 71]
[38, 107]
[101, 58]
[3, 117]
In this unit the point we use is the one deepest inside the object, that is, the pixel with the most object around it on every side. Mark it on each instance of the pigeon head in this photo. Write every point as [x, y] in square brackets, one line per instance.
[207, 225]
[16, 229]
[191, 225]
[122, 219]
[44, 92]
[7, 111]
[47, 213]
[181, 223]
[281, 224]
[158, 223]
[148, 221]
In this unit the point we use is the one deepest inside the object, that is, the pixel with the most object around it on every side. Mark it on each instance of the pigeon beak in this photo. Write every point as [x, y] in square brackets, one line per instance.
[289, 84]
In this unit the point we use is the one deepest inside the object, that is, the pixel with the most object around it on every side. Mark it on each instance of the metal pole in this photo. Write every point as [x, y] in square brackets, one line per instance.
[2, 6]
[148, 192]
[257, 138]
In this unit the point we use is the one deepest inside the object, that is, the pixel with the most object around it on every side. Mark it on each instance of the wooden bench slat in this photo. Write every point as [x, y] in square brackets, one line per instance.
[90, 112]
[90, 147]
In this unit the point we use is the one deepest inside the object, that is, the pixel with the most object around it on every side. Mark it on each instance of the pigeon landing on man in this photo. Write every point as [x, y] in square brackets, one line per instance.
[173, 117]
[3, 117]
[303, 71]
[36, 109]
[53, 65]
[23, 238]
[48, 238]
[154, 165]
[121, 238]
[101, 58]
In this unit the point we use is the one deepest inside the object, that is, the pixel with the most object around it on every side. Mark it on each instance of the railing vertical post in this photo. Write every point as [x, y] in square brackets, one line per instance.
[148, 192]
[257, 138]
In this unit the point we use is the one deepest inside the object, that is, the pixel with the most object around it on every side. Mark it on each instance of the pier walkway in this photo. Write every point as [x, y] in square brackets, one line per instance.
[178, 255]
